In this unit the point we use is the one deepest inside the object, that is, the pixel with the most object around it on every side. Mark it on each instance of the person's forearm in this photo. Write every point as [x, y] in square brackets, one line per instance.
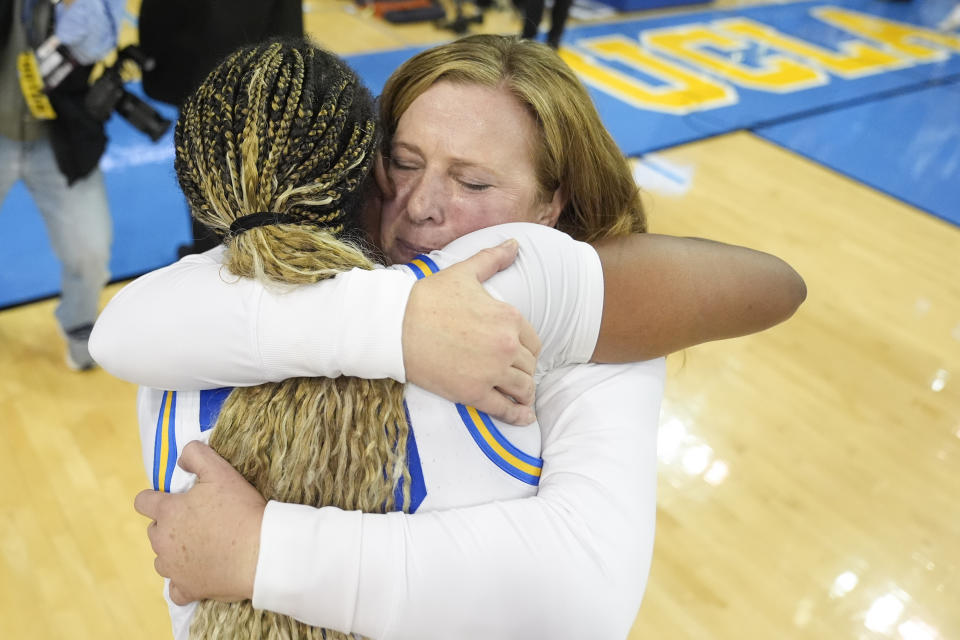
[194, 326]
[529, 568]
[571, 562]
[664, 293]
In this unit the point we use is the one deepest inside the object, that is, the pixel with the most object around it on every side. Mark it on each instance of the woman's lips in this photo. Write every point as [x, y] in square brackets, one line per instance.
[411, 250]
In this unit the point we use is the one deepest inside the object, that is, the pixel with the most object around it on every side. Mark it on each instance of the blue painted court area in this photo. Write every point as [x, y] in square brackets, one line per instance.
[663, 82]
[907, 146]
[830, 80]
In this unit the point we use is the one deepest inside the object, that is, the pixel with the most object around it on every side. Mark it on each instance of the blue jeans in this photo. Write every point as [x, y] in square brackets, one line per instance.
[78, 222]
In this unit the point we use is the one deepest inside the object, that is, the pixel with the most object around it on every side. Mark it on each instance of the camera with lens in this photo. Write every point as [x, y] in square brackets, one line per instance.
[107, 95]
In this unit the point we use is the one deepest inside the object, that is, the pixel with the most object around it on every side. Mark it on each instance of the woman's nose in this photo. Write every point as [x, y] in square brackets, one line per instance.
[426, 201]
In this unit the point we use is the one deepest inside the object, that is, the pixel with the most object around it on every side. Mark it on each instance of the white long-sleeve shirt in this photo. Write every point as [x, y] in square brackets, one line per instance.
[575, 557]
[571, 562]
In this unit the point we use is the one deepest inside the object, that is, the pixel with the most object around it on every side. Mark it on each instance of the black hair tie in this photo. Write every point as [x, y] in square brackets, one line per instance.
[259, 219]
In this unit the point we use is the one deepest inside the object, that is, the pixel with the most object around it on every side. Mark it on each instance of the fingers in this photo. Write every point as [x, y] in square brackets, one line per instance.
[489, 261]
[499, 406]
[525, 359]
[520, 341]
[156, 543]
[153, 535]
[519, 386]
[531, 343]
[200, 459]
[147, 503]
[178, 596]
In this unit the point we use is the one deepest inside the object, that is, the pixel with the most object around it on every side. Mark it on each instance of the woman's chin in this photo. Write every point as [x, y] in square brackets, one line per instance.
[401, 252]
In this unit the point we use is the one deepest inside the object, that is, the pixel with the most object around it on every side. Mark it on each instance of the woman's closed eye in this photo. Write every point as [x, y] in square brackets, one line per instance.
[474, 186]
[402, 165]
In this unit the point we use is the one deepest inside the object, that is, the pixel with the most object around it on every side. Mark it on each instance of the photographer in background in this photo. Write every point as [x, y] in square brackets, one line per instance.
[49, 140]
[186, 39]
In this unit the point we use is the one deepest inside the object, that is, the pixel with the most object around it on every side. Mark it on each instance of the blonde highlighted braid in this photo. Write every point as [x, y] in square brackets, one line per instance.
[287, 128]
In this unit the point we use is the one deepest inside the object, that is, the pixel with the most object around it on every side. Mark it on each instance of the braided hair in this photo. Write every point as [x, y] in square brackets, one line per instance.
[287, 128]
[280, 127]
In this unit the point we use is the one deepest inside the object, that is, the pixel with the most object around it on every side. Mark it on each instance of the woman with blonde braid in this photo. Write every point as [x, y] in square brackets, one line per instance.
[480, 137]
[274, 152]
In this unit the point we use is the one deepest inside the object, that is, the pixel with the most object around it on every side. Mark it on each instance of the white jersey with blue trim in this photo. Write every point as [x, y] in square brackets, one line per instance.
[457, 456]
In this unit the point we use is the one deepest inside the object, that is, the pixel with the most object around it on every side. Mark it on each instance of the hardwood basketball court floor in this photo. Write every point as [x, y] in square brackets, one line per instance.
[808, 483]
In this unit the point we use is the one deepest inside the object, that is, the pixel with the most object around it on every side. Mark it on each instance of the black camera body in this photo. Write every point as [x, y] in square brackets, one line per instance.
[107, 95]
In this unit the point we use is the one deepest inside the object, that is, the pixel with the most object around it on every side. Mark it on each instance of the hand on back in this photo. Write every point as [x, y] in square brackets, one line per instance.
[207, 540]
[464, 345]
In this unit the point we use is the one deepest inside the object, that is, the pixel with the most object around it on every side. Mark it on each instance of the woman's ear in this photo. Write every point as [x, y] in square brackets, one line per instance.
[550, 211]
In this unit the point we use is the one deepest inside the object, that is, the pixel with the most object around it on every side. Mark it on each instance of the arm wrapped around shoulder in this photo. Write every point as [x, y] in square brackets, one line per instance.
[665, 293]
[160, 331]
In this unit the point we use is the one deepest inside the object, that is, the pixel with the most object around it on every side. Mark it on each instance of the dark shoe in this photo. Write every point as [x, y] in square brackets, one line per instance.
[78, 355]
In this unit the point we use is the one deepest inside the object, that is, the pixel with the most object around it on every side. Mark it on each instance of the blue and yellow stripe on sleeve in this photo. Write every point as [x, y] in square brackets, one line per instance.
[165, 443]
[498, 449]
[422, 266]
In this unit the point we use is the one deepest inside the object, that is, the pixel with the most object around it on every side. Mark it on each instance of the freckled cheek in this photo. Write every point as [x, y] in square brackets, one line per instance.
[491, 213]
[463, 216]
